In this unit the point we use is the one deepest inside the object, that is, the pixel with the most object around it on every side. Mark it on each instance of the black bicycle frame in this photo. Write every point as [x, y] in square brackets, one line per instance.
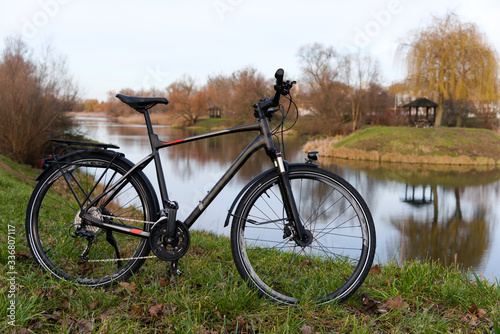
[263, 140]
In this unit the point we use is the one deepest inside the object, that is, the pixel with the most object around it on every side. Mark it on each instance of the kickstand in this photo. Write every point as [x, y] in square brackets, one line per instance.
[174, 270]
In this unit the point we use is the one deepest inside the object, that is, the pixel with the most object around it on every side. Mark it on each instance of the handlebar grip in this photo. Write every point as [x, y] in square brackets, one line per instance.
[279, 77]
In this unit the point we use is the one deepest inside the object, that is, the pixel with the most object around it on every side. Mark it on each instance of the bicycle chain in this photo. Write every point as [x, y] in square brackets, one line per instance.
[127, 258]
[129, 219]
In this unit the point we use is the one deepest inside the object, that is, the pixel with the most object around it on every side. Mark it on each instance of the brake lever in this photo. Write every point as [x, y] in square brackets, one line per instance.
[284, 89]
[270, 113]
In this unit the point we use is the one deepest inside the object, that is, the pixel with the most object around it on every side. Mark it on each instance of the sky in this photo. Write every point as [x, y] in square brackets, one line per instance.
[111, 45]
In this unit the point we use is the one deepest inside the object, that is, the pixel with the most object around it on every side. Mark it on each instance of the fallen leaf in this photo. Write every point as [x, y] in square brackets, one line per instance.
[93, 305]
[241, 321]
[66, 322]
[51, 317]
[65, 302]
[376, 270]
[136, 309]
[164, 282]
[393, 304]
[107, 313]
[305, 263]
[130, 287]
[221, 285]
[369, 305]
[84, 326]
[477, 311]
[305, 329]
[471, 320]
[155, 310]
[20, 255]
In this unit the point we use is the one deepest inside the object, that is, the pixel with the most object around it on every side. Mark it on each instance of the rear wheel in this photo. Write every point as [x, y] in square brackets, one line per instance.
[71, 249]
[332, 267]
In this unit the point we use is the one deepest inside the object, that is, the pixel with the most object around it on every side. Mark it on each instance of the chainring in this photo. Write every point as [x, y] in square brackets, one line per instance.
[165, 248]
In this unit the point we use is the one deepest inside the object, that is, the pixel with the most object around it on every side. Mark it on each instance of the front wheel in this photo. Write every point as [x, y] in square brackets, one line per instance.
[330, 268]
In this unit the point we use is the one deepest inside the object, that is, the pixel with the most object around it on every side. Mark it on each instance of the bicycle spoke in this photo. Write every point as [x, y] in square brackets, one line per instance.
[325, 269]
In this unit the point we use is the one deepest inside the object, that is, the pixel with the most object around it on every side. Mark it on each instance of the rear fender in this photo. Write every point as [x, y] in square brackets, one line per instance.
[52, 161]
[51, 164]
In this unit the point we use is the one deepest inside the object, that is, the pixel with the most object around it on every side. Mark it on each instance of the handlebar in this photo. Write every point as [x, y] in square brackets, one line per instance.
[281, 88]
[279, 82]
[279, 77]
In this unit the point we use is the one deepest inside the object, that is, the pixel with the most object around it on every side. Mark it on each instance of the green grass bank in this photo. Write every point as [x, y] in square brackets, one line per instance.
[452, 146]
[409, 297]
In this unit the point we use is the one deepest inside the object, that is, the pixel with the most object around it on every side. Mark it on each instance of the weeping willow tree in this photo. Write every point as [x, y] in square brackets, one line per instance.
[452, 60]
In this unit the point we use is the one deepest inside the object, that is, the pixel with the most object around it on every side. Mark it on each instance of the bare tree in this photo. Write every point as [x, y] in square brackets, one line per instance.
[235, 94]
[218, 93]
[247, 87]
[187, 101]
[33, 98]
[361, 74]
[339, 86]
[321, 67]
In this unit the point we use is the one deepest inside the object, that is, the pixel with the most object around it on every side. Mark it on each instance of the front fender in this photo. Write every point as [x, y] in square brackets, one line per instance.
[255, 180]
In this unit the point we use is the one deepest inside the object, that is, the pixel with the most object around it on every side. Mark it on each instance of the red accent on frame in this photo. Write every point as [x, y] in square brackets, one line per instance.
[175, 142]
[136, 231]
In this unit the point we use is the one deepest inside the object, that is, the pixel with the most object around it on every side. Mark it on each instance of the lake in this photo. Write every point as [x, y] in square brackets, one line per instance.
[450, 214]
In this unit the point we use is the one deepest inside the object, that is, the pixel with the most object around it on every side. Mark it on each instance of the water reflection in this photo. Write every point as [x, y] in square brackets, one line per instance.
[444, 213]
[440, 212]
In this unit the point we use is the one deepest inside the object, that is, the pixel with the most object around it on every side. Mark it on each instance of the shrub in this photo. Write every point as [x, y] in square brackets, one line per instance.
[33, 97]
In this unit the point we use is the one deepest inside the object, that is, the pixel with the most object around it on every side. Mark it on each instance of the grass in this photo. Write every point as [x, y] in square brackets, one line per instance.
[410, 297]
[418, 145]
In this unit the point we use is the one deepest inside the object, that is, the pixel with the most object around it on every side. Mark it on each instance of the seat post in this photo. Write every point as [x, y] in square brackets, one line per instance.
[147, 118]
[153, 140]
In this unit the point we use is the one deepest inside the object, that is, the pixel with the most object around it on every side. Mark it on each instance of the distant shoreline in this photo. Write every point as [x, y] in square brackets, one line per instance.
[87, 114]
[445, 146]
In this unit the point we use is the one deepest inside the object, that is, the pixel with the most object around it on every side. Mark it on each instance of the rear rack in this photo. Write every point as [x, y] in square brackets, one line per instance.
[64, 147]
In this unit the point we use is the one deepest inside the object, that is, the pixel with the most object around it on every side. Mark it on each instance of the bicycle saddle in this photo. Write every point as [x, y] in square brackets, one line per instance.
[141, 102]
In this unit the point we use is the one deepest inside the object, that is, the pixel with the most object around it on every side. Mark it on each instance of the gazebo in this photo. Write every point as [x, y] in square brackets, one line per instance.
[215, 112]
[419, 119]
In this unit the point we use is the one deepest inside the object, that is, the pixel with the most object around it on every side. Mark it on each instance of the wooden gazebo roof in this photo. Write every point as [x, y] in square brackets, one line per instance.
[421, 102]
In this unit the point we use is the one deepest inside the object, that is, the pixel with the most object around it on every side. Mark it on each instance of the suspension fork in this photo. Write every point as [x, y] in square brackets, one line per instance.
[302, 236]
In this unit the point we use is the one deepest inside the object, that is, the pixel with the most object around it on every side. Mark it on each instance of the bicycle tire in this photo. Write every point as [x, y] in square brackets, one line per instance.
[52, 219]
[337, 262]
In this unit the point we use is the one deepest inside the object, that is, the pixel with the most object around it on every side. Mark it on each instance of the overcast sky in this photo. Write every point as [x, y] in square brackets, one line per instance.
[150, 43]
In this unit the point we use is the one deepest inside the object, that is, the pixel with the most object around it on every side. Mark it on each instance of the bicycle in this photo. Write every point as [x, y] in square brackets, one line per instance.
[299, 234]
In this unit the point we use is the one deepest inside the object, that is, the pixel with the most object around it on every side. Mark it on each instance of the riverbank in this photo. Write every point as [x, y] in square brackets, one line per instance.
[444, 146]
[448, 146]
[410, 297]
[205, 123]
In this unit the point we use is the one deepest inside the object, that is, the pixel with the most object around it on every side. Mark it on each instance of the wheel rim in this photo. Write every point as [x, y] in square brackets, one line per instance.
[55, 219]
[320, 272]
